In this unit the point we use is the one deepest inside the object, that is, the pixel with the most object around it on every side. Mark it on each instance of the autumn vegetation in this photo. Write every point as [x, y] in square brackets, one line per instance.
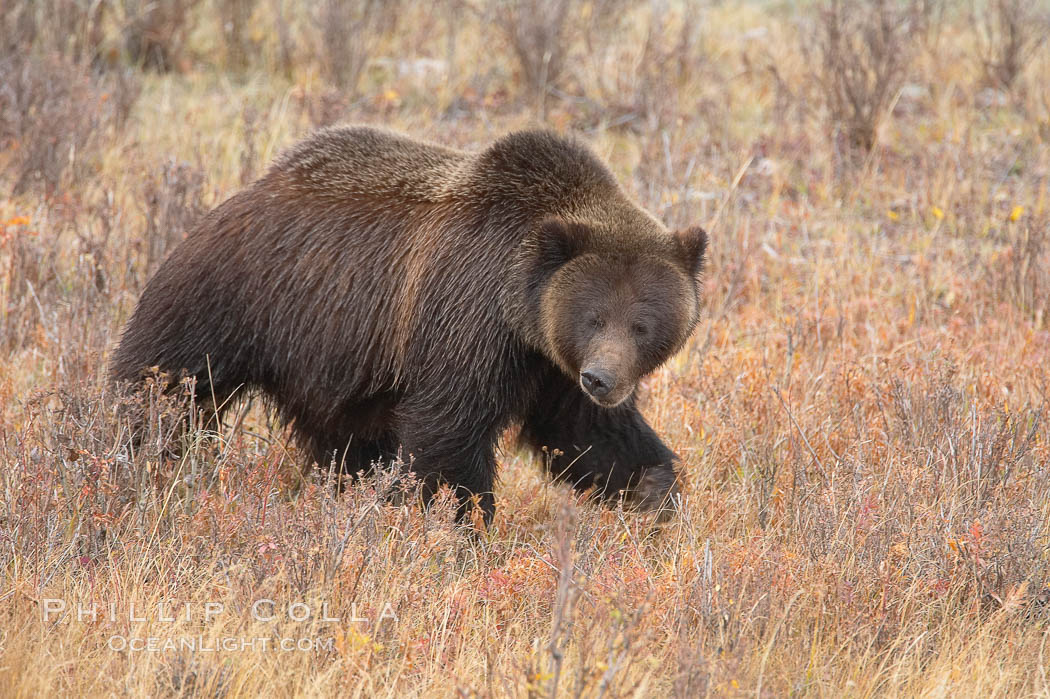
[862, 415]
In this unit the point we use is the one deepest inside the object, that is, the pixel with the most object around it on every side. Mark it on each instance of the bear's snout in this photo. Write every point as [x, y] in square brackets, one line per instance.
[597, 382]
[606, 387]
[607, 371]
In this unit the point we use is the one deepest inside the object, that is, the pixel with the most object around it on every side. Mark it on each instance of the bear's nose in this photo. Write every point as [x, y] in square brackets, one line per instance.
[596, 382]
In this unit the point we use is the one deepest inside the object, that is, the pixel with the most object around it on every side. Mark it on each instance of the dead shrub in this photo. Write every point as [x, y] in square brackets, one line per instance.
[974, 451]
[155, 33]
[75, 29]
[55, 116]
[234, 16]
[670, 53]
[17, 27]
[47, 115]
[23, 271]
[107, 457]
[349, 32]
[982, 457]
[285, 42]
[600, 40]
[863, 51]
[173, 202]
[1008, 32]
[1020, 273]
[655, 80]
[322, 107]
[539, 33]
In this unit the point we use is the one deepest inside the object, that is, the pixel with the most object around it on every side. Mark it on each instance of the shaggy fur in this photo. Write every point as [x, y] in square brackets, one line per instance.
[392, 295]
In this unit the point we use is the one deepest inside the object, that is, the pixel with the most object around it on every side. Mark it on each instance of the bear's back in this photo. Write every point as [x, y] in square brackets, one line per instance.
[370, 163]
[526, 170]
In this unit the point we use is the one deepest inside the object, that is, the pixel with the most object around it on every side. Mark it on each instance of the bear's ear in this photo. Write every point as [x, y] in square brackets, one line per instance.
[692, 244]
[556, 242]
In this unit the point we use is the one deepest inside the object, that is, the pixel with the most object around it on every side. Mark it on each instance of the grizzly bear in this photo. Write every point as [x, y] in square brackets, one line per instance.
[391, 296]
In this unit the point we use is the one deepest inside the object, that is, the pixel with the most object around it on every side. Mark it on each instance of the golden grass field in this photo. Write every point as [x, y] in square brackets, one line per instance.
[861, 415]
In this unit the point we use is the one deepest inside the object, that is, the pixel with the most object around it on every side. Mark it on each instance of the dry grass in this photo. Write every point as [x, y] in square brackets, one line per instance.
[862, 414]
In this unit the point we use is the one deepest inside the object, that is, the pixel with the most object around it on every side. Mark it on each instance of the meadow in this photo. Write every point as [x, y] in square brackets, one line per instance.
[862, 414]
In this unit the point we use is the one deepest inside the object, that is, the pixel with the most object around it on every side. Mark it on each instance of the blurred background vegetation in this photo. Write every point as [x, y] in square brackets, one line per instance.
[861, 414]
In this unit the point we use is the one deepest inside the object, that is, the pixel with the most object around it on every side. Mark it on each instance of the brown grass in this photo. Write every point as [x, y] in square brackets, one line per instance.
[862, 414]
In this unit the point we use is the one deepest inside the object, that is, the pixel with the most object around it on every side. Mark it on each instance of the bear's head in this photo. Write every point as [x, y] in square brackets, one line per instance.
[608, 308]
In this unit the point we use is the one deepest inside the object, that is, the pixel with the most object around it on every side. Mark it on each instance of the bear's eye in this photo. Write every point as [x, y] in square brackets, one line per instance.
[596, 322]
[640, 330]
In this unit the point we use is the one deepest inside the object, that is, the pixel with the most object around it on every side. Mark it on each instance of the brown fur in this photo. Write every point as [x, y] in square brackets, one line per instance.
[390, 294]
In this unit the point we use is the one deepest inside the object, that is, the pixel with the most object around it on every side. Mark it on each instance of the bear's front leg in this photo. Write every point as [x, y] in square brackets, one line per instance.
[461, 458]
[611, 449]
